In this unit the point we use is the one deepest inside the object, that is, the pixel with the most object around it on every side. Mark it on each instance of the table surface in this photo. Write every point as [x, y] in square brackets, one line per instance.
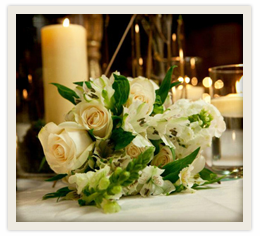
[221, 203]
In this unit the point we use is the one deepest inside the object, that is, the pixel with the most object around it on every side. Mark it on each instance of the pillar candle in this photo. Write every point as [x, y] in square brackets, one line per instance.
[64, 61]
[230, 105]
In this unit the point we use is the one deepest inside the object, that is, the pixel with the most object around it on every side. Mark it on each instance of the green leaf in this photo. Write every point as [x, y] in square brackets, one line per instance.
[173, 169]
[62, 192]
[117, 121]
[207, 174]
[121, 138]
[166, 85]
[175, 84]
[158, 109]
[88, 83]
[42, 163]
[120, 96]
[56, 177]
[66, 93]
[156, 144]
[91, 134]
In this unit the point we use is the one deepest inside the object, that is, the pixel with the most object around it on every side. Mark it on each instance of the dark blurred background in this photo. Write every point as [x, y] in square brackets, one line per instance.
[215, 39]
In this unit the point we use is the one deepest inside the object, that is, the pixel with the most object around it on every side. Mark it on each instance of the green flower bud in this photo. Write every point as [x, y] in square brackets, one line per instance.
[103, 183]
[118, 171]
[111, 207]
[124, 176]
[116, 189]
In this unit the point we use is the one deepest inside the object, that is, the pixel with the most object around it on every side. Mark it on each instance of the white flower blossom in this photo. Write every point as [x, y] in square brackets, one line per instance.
[152, 182]
[90, 179]
[189, 175]
[135, 117]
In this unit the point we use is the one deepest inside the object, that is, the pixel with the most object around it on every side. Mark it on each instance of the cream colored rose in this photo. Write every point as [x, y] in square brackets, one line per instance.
[137, 146]
[133, 151]
[66, 146]
[163, 157]
[143, 90]
[93, 115]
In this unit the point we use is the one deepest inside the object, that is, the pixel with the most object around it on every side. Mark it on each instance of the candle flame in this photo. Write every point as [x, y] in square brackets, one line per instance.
[239, 85]
[192, 62]
[66, 22]
[194, 81]
[207, 82]
[25, 94]
[181, 54]
[219, 84]
[174, 37]
[30, 79]
[137, 28]
[140, 61]
[187, 79]
[180, 79]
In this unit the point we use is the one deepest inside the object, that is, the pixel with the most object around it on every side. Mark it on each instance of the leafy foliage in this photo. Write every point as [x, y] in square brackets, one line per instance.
[66, 92]
[120, 96]
[166, 85]
[121, 138]
[88, 83]
[173, 169]
[162, 92]
[62, 192]
[103, 195]
[56, 177]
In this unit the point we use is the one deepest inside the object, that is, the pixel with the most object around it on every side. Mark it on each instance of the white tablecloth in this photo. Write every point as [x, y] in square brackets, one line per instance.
[222, 203]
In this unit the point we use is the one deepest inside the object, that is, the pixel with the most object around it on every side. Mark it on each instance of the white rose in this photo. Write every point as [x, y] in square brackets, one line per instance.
[163, 157]
[93, 115]
[66, 146]
[133, 151]
[143, 90]
[137, 146]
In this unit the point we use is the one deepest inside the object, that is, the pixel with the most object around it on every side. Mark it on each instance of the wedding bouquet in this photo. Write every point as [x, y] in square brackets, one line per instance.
[125, 137]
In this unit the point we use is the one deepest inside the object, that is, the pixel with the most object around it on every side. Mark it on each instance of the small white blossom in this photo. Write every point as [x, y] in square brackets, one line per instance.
[135, 117]
[90, 179]
[189, 175]
[152, 182]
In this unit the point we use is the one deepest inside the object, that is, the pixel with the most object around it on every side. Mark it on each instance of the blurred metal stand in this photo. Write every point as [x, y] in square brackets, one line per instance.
[94, 26]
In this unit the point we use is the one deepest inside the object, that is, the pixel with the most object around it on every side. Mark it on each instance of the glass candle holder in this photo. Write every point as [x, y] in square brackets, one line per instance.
[226, 93]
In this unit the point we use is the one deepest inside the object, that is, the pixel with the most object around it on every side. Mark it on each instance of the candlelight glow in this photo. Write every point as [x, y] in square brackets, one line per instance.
[192, 63]
[187, 79]
[180, 79]
[66, 22]
[207, 82]
[194, 81]
[30, 79]
[140, 61]
[219, 84]
[180, 87]
[137, 28]
[174, 37]
[25, 94]
[239, 85]
[206, 97]
[181, 54]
